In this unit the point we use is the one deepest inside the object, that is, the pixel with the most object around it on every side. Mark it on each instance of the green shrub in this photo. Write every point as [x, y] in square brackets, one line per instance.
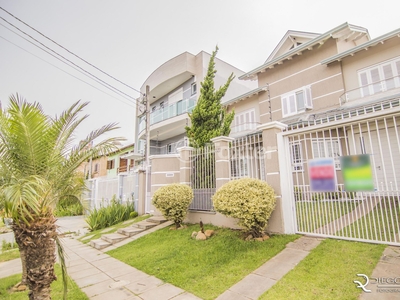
[173, 201]
[249, 200]
[69, 206]
[112, 214]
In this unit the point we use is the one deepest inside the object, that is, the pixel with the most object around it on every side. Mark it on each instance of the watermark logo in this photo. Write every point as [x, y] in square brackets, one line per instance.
[362, 286]
[379, 284]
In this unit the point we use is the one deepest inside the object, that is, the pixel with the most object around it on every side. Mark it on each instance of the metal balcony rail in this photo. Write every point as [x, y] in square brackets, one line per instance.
[370, 89]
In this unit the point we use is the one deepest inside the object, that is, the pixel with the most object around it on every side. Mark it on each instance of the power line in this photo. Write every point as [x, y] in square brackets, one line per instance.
[71, 52]
[112, 89]
[127, 103]
[67, 59]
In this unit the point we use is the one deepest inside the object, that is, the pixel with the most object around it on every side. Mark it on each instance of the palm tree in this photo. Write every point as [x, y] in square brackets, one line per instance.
[37, 162]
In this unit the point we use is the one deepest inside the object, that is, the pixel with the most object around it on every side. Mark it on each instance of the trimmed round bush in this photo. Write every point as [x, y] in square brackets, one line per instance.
[173, 201]
[249, 200]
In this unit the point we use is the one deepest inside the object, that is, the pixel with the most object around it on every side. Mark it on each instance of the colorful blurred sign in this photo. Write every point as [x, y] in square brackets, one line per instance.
[357, 173]
[322, 175]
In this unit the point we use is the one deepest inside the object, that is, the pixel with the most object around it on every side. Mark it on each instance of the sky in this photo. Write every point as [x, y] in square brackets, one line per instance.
[130, 39]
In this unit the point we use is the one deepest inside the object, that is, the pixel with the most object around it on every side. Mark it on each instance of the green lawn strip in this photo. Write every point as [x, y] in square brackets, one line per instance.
[98, 233]
[379, 224]
[315, 214]
[204, 268]
[9, 255]
[328, 272]
[56, 288]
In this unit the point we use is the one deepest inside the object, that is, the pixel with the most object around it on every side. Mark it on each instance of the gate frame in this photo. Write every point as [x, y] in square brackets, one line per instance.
[286, 176]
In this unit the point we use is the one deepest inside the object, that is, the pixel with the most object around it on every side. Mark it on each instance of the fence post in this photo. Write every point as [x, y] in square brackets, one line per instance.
[184, 158]
[141, 191]
[270, 144]
[222, 160]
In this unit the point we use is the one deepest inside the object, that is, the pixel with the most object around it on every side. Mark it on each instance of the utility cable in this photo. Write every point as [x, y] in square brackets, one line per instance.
[71, 52]
[134, 99]
[112, 89]
[127, 103]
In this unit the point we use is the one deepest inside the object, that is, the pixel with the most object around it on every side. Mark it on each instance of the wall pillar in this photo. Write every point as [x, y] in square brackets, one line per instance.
[184, 158]
[141, 192]
[222, 160]
[270, 144]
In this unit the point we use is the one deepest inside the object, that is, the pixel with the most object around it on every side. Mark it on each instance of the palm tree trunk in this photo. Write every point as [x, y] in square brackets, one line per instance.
[38, 240]
[17, 234]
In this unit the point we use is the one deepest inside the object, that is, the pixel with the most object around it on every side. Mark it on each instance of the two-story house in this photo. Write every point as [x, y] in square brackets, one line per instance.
[327, 96]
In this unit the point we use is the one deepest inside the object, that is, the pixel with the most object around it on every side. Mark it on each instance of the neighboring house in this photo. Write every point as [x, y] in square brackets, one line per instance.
[110, 165]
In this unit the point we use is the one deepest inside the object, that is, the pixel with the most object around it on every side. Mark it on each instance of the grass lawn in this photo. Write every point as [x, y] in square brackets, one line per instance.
[328, 272]
[98, 233]
[315, 214]
[56, 288]
[9, 255]
[382, 223]
[204, 268]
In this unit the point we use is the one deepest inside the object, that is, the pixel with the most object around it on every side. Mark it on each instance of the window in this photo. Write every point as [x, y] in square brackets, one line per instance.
[296, 157]
[194, 88]
[96, 168]
[379, 78]
[245, 121]
[162, 104]
[322, 148]
[296, 101]
[175, 96]
[169, 148]
[111, 164]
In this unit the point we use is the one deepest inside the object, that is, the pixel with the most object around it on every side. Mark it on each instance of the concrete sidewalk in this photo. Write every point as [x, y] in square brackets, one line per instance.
[263, 278]
[103, 277]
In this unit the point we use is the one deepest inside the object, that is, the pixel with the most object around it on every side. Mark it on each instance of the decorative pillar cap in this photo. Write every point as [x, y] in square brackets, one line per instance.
[184, 148]
[222, 139]
[272, 125]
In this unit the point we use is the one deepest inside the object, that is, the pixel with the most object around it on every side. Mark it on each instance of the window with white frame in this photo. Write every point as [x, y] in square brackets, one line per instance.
[245, 121]
[193, 88]
[296, 156]
[379, 78]
[323, 148]
[296, 101]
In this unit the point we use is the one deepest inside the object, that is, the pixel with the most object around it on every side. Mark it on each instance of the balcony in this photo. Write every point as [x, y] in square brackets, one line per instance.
[171, 111]
[243, 129]
[373, 91]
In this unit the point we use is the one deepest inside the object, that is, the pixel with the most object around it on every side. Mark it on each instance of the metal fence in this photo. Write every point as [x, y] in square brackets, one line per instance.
[202, 177]
[372, 216]
[247, 157]
[100, 191]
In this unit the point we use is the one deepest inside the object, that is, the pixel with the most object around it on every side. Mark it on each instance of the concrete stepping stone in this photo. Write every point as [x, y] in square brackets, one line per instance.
[156, 219]
[144, 225]
[130, 231]
[99, 244]
[113, 238]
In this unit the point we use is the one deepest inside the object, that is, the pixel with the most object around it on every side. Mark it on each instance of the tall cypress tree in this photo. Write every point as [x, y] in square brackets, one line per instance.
[209, 119]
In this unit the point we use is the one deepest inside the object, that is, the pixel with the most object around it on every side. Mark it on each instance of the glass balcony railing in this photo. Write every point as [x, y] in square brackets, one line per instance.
[379, 87]
[173, 110]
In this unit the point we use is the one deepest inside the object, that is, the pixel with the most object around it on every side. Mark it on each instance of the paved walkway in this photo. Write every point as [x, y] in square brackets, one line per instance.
[103, 277]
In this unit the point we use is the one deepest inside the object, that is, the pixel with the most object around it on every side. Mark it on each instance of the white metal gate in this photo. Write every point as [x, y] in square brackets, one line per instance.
[363, 216]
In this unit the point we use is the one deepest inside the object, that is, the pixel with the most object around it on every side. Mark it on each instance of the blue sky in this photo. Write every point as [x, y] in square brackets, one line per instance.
[129, 39]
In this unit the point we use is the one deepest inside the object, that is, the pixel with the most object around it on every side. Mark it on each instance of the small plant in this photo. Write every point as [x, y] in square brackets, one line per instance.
[69, 207]
[249, 200]
[173, 201]
[112, 214]
[8, 245]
